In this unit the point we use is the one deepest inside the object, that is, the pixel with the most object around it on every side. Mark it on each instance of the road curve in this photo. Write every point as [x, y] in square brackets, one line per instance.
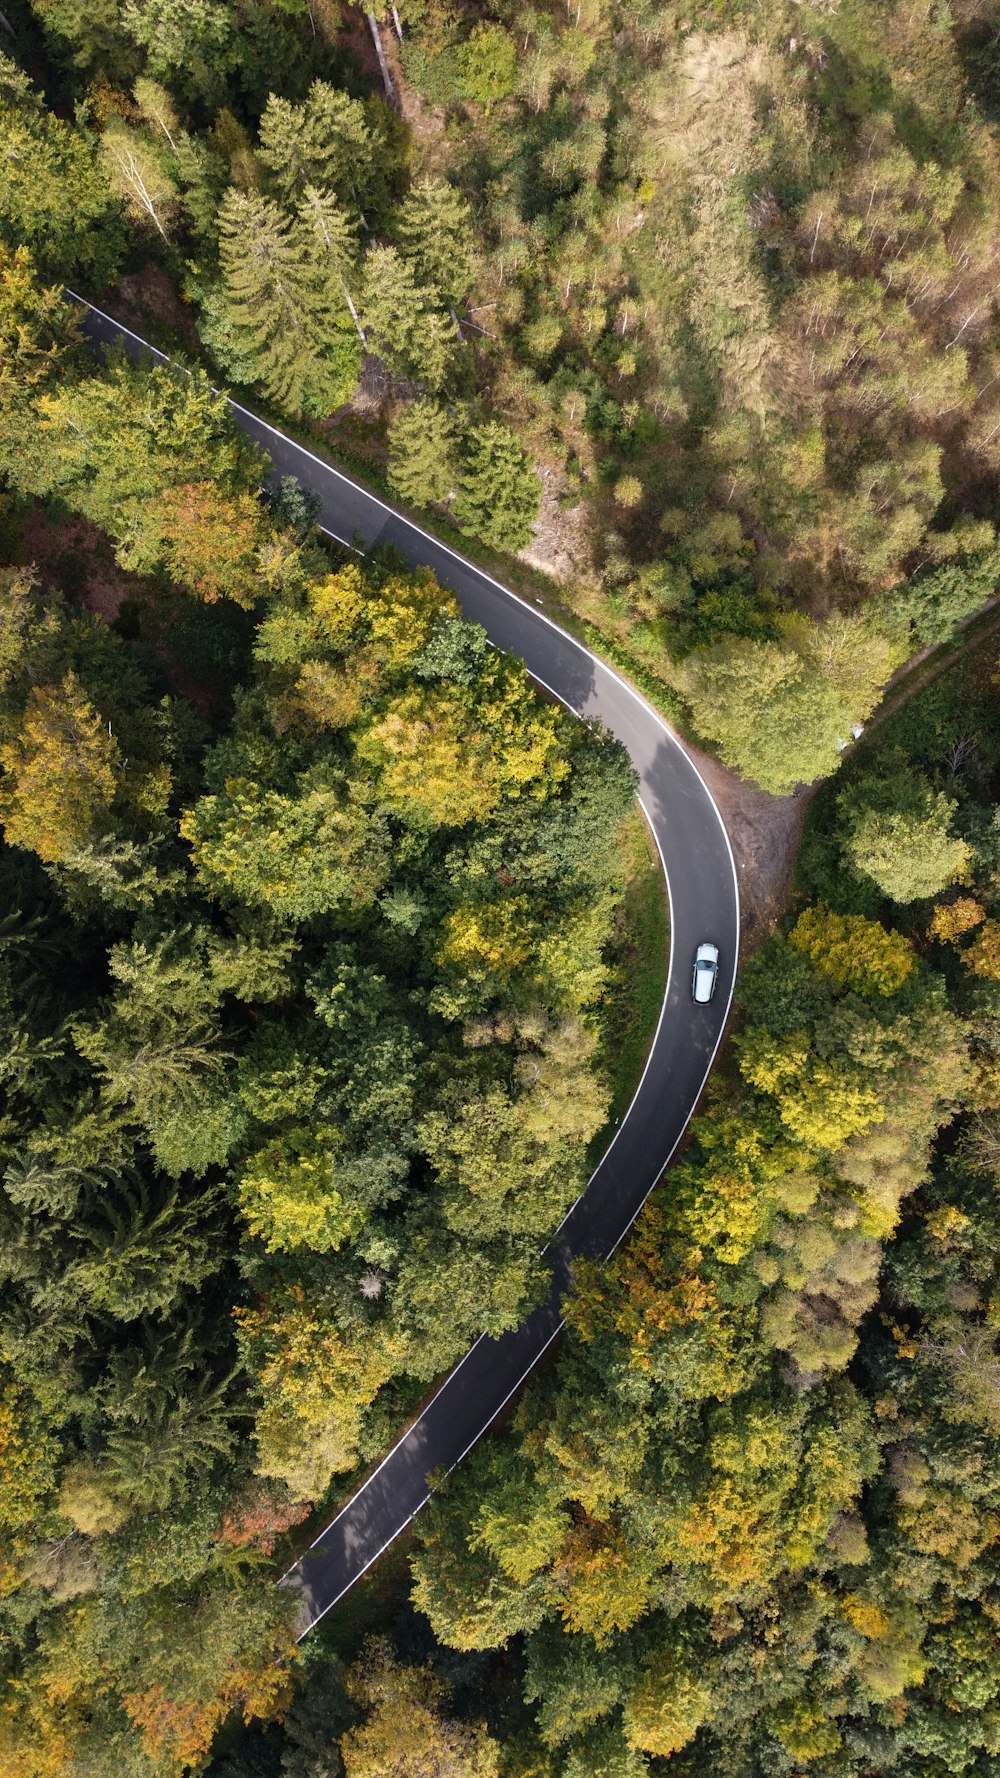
[704, 904]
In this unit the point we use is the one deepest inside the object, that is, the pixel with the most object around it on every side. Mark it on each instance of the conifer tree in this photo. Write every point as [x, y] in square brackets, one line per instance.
[422, 453]
[330, 140]
[281, 306]
[499, 491]
[336, 239]
[401, 319]
[190, 43]
[434, 231]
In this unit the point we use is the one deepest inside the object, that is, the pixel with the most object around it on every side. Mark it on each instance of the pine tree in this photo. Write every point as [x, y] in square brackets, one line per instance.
[331, 141]
[192, 44]
[337, 240]
[434, 230]
[499, 491]
[401, 321]
[281, 306]
[422, 453]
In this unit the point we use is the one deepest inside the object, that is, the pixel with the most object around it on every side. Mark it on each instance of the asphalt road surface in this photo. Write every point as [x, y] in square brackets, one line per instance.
[704, 904]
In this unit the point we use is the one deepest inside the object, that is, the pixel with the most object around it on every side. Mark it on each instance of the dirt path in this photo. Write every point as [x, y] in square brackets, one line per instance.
[923, 668]
[765, 832]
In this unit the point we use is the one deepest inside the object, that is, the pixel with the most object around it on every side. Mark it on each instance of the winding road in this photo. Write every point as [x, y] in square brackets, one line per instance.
[704, 904]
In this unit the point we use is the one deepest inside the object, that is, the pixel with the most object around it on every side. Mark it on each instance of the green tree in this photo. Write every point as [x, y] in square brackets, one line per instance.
[782, 712]
[434, 231]
[499, 492]
[402, 320]
[337, 241]
[53, 198]
[898, 832]
[112, 444]
[487, 63]
[190, 44]
[422, 453]
[282, 308]
[294, 853]
[157, 1050]
[332, 142]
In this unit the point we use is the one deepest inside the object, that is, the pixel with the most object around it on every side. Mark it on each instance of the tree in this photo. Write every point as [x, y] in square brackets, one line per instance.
[337, 240]
[439, 766]
[159, 109]
[499, 492]
[402, 321]
[210, 542]
[165, 1431]
[290, 1198]
[27, 1470]
[404, 1730]
[669, 1705]
[138, 1256]
[487, 63]
[434, 231]
[60, 773]
[113, 443]
[314, 1384]
[422, 464]
[192, 44]
[854, 952]
[53, 199]
[782, 712]
[283, 311]
[937, 600]
[332, 142]
[38, 332]
[139, 174]
[897, 831]
[293, 853]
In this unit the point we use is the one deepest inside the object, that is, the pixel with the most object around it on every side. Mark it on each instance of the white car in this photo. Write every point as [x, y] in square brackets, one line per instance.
[706, 973]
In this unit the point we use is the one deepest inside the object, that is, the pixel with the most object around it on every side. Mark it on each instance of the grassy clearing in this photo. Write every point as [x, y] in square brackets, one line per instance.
[639, 957]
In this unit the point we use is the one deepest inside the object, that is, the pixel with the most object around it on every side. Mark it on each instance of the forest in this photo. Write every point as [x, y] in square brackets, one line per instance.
[321, 944]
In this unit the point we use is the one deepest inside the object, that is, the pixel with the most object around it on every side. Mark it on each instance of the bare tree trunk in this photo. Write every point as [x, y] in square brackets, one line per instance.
[354, 315]
[390, 91]
[397, 23]
[136, 184]
[7, 26]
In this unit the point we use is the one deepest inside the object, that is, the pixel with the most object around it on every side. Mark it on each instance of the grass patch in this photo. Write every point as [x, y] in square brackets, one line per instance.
[639, 956]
